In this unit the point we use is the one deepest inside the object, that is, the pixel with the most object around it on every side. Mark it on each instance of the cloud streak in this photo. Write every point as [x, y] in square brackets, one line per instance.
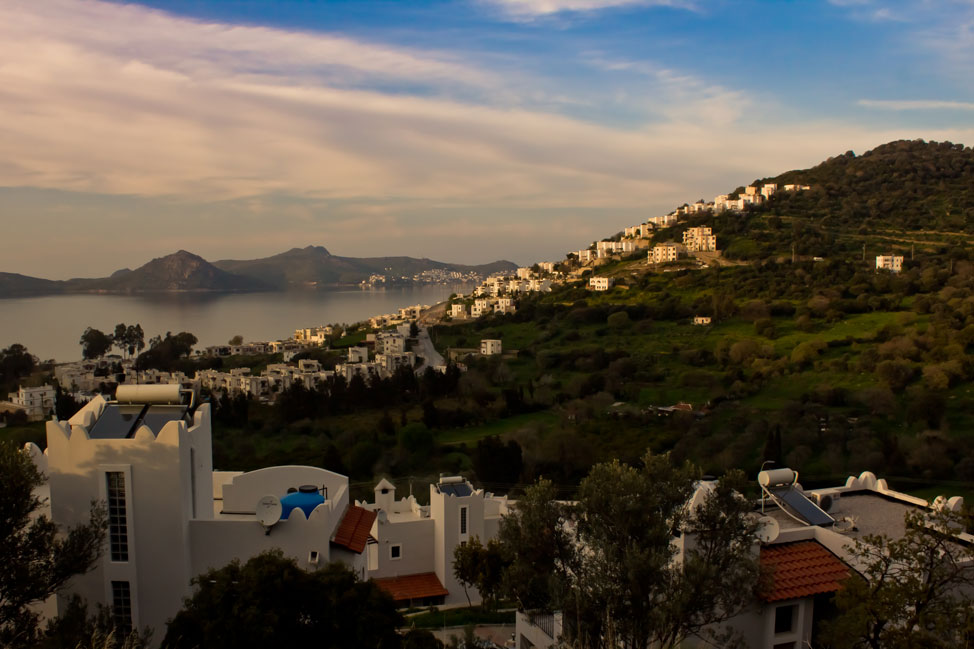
[253, 136]
[915, 104]
[533, 9]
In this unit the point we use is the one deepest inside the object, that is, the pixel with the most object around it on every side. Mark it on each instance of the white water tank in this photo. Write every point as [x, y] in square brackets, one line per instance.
[776, 477]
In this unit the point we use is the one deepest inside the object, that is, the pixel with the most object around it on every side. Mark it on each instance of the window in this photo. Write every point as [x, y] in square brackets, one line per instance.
[395, 551]
[463, 520]
[118, 535]
[122, 607]
[784, 618]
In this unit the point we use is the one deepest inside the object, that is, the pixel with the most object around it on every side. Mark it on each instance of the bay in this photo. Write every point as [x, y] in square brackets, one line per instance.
[51, 326]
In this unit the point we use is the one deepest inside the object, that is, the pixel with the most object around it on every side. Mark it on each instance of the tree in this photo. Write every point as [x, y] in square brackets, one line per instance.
[914, 591]
[271, 602]
[236, 340]
[94, 343]
[610, 562]
[15, 363]
[481, 566]
[538, 548]
[39, 559]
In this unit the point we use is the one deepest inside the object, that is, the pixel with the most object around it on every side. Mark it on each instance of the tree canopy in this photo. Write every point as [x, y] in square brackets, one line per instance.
[610, 561]
[38, 558]
[270, 602]
[914, 591]
[94, 343]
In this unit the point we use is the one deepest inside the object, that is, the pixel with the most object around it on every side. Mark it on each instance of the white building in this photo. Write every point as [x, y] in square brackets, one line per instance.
[663, 252]
[586, 256]
[700, 239]
[664, 221]
[458, 310]
[806, 550]
[892, 263]
[171, 517]
[546, 266]
[410, 552]
[504, 305]
[702, 320]
[38, 403]
[600, 283]
[358, 354]
[489, 347]
[769, 189]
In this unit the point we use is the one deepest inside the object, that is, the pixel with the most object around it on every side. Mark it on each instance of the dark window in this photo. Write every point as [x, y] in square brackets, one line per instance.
[122, 607]
[118, 533]
[463, 520]
[784, 618]
[395, 551]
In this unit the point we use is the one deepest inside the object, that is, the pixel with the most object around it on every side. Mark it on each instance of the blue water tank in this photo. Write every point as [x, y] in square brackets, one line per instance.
[307, 497]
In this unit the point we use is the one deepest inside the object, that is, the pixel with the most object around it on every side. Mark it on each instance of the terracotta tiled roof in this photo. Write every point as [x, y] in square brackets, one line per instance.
[412, 586]
[353, 531]
[801, 569]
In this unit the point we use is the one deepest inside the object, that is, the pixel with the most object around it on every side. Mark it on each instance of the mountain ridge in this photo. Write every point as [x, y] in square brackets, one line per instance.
[184, 271]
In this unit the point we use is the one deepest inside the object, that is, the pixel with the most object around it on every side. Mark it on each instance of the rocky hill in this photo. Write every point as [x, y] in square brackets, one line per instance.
[314, 265]
[184, 271]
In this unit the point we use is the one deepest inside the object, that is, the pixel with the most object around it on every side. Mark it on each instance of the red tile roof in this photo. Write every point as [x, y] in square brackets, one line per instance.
[801, 569]
[353, 531]
[412, 586]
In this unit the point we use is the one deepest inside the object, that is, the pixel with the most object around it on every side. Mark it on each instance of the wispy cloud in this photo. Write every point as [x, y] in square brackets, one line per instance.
[915, 104]
[532, 9]
[254, 136]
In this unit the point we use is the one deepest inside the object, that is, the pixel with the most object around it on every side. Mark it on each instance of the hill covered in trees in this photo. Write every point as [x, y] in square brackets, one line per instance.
[913, 185]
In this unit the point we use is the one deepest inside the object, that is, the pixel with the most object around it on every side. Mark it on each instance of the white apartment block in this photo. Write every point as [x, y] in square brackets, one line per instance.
[539, 285]
[390, 342]
[700, 239]
[38, 403]
[358, 354]
[663, 252]
[769, 189]
[796, 188]
[504, 305]
[586, 256]
[490, 347]
[524, 273]
[458, 310]
[892, 263]
[546, 266]
[600, 283]
[172, 517]
[664, 221]
[314, 335]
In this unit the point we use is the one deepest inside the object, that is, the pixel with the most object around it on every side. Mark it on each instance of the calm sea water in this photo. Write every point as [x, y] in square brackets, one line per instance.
[51, 326]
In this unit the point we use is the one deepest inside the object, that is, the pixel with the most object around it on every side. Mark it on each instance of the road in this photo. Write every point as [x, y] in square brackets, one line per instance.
[424, 347]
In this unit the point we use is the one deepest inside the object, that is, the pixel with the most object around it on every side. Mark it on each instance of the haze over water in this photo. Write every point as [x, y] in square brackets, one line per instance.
[51, 326]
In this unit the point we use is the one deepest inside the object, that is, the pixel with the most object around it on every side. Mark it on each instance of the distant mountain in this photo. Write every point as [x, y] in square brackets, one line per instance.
[314, 265]
[908, 184]
[14, 285]
[180, 271]
[184, 271]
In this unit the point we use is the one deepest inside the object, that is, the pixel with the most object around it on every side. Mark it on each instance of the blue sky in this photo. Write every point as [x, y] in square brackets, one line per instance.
[465, 130]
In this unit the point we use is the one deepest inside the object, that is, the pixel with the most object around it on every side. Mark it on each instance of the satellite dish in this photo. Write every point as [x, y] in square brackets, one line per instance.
[269, 510]
[768, 529]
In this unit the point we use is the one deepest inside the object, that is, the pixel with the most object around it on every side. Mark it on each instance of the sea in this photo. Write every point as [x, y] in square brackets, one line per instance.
[51, 326]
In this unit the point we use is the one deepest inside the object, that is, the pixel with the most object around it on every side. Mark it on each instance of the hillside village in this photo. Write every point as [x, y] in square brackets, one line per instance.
[841, 367]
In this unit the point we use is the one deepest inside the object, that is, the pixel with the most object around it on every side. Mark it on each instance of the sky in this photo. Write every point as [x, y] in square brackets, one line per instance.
[459, 130]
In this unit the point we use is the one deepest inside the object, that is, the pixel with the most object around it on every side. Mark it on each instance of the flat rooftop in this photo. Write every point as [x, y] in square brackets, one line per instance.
[872, 513]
